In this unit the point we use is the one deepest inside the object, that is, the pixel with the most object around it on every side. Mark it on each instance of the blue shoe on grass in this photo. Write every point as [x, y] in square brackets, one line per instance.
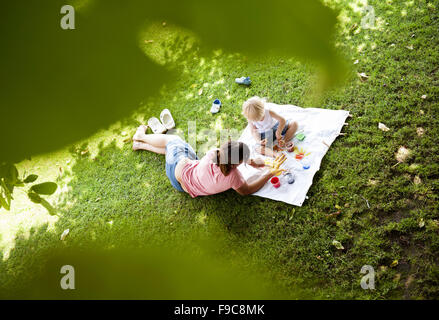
[243, 80]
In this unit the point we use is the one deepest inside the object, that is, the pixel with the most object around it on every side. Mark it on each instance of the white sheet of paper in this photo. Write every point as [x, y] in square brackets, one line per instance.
[320, 126]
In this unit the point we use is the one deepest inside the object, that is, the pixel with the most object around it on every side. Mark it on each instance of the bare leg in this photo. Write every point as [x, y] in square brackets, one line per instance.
[267, 152]
[157, 140]
[138, 145]
[292, 128]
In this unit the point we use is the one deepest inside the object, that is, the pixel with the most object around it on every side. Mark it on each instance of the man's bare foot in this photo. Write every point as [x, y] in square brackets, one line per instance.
[140, 132]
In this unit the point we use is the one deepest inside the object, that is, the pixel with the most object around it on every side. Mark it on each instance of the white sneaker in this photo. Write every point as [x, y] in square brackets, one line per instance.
[167, 120]
[156, 126]
[216, 105]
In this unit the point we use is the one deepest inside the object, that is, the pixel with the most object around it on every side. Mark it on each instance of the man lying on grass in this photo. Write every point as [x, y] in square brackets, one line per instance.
[216, 172]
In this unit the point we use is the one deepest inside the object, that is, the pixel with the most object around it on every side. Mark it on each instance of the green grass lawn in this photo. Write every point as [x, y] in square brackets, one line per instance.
[388, 217]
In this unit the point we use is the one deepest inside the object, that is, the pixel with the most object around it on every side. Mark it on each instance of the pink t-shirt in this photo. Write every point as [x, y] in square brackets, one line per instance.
[203, 177]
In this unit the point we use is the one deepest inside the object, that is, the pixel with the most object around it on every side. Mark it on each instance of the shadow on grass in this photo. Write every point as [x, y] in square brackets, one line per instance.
[133, 236]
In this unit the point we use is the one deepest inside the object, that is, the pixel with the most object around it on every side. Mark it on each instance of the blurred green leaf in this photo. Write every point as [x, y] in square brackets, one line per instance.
[30, 178]
[5, 201]
[9, 172]
[34, 197]
[46, 188]
[78, 81]
[7, 190]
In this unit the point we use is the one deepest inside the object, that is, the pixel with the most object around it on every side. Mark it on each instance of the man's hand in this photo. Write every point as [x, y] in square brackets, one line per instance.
[263, 142]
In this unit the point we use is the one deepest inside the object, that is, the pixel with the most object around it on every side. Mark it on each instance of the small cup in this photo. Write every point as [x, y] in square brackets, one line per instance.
[290, 178]
[275, 182]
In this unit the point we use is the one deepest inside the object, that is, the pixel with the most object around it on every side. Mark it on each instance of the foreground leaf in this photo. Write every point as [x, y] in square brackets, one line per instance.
[30, 178]
[35, 198]
[46, 188]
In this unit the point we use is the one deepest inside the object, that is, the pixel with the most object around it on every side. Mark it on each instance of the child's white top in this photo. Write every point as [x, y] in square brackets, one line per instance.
[267, 123]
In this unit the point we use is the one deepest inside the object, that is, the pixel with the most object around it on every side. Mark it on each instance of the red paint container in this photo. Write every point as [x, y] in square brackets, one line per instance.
[275, 182]
[299, 156]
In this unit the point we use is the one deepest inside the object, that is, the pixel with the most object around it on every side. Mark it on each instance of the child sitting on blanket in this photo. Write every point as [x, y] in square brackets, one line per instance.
[266, 125]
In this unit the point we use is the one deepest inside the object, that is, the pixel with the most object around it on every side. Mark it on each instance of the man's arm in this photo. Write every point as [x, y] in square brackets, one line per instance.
[249, 188]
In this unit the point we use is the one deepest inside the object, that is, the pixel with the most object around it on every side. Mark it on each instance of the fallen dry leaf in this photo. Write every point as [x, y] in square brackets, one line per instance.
[394, 263]
[424, 96]
[421, 223]
[420, 131]
[356, 61]
[200, 92]
[372, 182]
[149, 41]
[333, 214]
[421, 112]
[383, 127]
[417, 180]
[337, 244]
[363, 76]
[410, 47]
[402, 154]
[64, 234]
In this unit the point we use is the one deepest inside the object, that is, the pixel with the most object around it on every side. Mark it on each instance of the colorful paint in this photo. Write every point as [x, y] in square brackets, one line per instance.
[275, 182]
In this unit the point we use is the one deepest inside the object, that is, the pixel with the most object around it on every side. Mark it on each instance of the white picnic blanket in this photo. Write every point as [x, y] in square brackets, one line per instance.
[321, 127]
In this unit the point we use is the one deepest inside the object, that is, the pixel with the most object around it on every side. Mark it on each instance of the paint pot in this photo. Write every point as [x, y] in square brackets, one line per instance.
[290, 146]
[290, 178]
[306, 164]
[299, 156]
[281, 144]
[300, 136]
[275, 182]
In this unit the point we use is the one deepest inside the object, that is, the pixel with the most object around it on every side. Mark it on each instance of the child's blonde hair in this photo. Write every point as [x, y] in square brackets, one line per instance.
[254, 108]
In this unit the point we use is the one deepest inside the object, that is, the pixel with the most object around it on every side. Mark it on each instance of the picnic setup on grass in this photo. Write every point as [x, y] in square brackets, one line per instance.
[318, 128]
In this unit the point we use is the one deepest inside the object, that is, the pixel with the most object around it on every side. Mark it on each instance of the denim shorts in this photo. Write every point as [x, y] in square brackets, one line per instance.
[271, 134]
[175, 151]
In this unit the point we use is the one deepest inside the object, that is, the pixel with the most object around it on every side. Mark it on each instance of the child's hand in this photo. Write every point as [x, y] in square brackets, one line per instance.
[278, 135]
[281, 143]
